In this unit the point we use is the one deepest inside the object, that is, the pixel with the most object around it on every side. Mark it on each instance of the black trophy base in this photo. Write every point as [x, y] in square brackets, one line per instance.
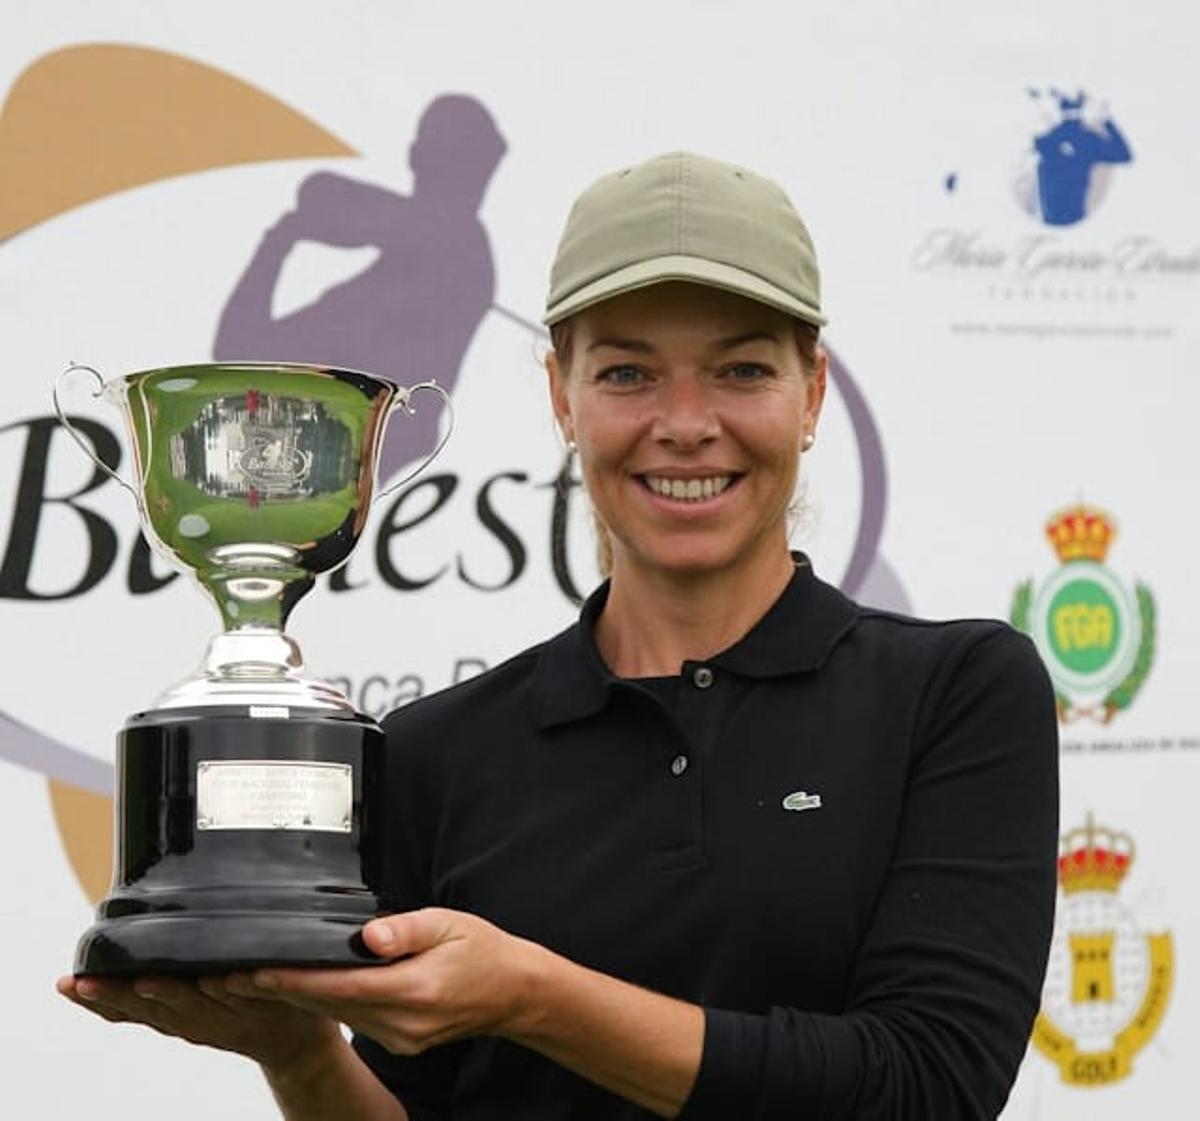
[192, 945]
[201, 895]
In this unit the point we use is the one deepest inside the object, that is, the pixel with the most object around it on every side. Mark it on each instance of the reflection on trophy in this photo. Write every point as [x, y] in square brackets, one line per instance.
[247, 814]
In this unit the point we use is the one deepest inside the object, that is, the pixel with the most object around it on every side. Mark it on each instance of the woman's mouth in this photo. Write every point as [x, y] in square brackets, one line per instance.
[695, 489]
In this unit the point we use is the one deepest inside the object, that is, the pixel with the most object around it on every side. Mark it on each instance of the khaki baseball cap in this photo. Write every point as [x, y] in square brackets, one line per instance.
[680, 216]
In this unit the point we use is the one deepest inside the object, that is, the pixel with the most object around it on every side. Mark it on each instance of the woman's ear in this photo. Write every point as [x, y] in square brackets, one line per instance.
[559, 400]
[815, 390]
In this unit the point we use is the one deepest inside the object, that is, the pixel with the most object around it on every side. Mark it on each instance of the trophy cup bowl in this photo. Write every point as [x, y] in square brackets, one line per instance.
[248, 816]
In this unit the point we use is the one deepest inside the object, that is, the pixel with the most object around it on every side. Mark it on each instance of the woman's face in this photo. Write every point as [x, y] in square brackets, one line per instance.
[689, 406]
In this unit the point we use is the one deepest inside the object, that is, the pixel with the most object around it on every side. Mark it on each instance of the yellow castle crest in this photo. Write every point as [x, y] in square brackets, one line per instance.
[1107, 981]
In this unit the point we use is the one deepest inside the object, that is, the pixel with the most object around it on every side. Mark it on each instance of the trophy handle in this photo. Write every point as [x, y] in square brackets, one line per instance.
[402, 399]
[74, 432]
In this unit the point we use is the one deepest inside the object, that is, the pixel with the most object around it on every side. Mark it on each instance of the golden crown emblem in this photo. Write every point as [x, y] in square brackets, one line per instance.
[1081, 533]
[1094, 858]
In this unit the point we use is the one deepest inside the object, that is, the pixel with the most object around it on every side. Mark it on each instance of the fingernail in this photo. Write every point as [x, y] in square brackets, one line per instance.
[89, 990]
[266, 980]
[382, 934]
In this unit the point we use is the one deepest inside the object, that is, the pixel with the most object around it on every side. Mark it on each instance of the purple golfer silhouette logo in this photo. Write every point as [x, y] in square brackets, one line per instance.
[409, 315]
[1066, 171]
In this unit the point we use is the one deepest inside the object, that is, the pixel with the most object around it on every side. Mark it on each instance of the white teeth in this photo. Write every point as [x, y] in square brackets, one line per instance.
[689, 490]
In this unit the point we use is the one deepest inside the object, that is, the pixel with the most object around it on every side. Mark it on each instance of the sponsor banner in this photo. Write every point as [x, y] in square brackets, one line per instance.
[1034, 243]
[1011, 265]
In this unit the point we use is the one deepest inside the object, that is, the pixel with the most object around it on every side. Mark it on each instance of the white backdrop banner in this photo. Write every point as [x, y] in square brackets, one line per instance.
[1004, 205]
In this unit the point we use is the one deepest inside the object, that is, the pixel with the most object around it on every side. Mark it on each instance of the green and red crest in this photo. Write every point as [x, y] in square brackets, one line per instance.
[1095, 633]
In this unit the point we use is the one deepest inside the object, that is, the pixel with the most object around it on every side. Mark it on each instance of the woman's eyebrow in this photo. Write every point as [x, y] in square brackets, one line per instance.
[748, 337]
[638, 345]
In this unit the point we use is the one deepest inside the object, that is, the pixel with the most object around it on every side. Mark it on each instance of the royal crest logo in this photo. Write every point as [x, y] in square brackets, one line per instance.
[1096, 636]
[1107, 981]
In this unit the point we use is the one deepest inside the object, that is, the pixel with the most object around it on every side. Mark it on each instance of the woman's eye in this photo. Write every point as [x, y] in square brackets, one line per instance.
[747, 371]
[622, 375]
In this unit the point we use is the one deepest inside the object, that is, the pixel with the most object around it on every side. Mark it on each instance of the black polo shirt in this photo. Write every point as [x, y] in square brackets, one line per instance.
[838, 836]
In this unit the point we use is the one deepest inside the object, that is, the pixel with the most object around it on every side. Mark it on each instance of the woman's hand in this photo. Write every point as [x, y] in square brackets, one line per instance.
[452, 975]
[205, 1011]
[456, 975]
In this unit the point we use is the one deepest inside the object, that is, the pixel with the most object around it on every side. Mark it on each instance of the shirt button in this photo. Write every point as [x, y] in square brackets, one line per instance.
[703, 677]
[679, 764]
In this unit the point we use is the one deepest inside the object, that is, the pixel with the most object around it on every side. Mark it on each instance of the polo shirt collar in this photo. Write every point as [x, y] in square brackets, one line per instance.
[796, 635]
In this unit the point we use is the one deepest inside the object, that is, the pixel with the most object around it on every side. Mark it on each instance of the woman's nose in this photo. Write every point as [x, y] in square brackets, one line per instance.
[686, 415]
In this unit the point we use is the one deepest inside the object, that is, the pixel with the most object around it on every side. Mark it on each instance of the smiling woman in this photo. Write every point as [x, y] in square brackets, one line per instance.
[729, 345]
[730, 846]
[689, 407]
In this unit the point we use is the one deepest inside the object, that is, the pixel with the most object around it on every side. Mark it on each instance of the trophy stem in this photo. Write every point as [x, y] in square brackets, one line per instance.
[254, 654]
[254, 666]
[255, 585]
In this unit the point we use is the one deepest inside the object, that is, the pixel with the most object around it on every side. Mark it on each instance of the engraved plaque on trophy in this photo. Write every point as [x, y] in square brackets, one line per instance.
[247, 797]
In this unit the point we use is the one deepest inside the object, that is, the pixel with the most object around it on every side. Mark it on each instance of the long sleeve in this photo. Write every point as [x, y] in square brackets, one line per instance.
[423, 1083]
[946, 981]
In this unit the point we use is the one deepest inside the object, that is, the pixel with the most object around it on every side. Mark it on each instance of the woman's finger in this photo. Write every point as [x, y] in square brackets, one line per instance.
[411, 932]
[168, 990]
[120, 1004]
[225, 991]
[106, 991]
[89, 994]
[327, 986]
[216, 988]
[101, 1010]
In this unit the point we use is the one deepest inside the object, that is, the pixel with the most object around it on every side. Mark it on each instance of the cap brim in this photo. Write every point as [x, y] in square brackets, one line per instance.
[697, 270]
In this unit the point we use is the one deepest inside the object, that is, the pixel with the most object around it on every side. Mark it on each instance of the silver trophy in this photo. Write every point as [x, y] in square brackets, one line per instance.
[250, 828]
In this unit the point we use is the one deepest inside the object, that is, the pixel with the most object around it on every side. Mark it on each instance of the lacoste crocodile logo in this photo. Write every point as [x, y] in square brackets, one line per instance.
[802, 800]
